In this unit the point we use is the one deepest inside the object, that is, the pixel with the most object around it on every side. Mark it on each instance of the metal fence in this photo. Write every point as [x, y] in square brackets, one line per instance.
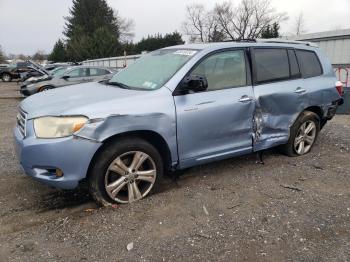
[113, 62]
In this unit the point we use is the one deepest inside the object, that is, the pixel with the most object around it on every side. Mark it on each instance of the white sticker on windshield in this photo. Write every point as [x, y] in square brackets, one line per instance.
[149, 84]
[185, 52]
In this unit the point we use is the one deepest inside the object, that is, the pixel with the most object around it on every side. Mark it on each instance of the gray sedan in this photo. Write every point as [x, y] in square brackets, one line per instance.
[70, 76]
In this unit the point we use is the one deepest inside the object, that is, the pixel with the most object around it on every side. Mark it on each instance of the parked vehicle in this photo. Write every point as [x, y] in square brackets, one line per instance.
[21, 71]
[175, 108]
[54, 73]
[69, 76]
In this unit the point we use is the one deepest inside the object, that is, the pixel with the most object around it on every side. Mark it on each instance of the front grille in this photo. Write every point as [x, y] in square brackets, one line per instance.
[21, 121]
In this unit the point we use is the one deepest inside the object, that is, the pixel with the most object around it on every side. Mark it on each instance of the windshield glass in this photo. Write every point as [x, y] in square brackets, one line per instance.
[153, 70]
[59, 71]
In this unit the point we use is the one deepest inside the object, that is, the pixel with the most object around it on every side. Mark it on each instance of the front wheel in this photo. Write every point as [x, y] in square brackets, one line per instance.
[303, 134]
[125, 171]
[6, 77]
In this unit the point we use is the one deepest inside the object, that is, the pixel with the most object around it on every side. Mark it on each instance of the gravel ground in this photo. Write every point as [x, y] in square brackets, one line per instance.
[290, 209]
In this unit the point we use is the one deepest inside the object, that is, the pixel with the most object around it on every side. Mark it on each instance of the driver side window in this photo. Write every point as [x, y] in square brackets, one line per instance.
[74, 73]
[223, 70]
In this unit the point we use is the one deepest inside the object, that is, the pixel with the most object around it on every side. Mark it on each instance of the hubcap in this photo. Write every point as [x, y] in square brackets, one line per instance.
[130, 177]
[6, 78]
[305, 137]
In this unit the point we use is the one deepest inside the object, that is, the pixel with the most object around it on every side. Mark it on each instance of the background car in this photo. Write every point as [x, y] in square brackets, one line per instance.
[69, 76]
[21, 71]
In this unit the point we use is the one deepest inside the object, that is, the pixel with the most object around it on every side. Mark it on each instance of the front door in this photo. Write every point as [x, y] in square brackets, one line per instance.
[217, 123]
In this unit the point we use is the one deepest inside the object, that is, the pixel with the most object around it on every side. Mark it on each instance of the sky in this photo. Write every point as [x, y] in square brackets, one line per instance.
[31, 25]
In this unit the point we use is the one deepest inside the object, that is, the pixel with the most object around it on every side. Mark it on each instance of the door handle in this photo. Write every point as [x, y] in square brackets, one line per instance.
[244, 99]
[300, 90]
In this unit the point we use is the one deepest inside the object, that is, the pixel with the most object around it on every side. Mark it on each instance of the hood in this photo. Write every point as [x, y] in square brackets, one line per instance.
[94, 100]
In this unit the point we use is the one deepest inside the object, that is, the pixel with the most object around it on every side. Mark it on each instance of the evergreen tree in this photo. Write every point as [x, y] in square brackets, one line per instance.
[155, 42]
[58, 53]
[275, 30]
[271, 31]
[92, 30]
[2, 56]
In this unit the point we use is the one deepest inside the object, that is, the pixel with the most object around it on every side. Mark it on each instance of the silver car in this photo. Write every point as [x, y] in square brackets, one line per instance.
[70, 76]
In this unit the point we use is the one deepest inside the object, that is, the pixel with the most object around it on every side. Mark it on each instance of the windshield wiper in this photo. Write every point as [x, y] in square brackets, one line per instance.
[121, 85]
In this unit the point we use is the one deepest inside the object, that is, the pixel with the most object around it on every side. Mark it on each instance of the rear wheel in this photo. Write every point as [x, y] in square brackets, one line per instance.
[125, 171]
[6, 77]
[303, 134]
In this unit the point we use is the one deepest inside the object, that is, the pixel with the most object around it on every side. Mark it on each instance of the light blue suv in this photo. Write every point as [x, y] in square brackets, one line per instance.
[175, 108]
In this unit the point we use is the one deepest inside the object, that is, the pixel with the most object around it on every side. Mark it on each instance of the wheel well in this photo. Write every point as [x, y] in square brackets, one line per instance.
[317, 110]
[150, 136]
[42, 87]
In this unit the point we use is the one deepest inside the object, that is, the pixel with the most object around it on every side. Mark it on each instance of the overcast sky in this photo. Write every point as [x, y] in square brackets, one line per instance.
[31, 25]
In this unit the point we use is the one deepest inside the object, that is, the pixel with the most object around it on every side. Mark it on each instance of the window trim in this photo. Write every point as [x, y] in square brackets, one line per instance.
[177, 91]
[298, 76]
[254, 73]
[318, 59]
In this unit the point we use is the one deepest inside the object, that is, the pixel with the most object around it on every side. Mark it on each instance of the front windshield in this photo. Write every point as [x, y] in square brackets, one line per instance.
[153, 70]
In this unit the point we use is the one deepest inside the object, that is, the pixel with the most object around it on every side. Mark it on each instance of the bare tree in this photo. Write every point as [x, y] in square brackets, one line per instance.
[201, 25]
[299, 26]
[126, 27]
[248, 19]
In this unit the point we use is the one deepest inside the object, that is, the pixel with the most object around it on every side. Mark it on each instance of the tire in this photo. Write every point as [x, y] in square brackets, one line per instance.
[112, 178]
[6, 77]
[45, 88]
[307, 121]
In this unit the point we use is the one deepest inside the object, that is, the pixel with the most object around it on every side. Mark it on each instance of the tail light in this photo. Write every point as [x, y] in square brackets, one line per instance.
[339, 87]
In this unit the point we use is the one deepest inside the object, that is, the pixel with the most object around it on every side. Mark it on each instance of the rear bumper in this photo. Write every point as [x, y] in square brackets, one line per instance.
[332, 109]
[40, 157]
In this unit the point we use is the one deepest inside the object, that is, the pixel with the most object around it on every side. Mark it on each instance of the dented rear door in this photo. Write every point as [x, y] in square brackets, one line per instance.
[280, 95]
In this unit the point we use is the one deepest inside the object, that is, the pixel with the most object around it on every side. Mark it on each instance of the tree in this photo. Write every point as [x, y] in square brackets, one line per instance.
[228, 22]
[2, 56]
[158, 41]
[39, 56]
[299, 24]
[248, 19]
[93, 30]
[58, 53]
[271, 31]
[201, 25]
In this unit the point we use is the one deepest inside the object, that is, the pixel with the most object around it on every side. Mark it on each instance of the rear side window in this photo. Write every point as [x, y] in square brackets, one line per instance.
[98, 72]
[309, 64]
[271, 64]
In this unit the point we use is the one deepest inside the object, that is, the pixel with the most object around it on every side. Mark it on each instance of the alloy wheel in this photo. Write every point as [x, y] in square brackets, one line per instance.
[130, 177]
[305, 137]
[6, 78]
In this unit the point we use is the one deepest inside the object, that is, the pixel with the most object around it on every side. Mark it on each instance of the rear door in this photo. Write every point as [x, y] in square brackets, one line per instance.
[98, 74]
[279, 92]
[76, 76]
[216, 123]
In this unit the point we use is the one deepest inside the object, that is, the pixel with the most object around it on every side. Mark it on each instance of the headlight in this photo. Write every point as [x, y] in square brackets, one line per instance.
[54, 127]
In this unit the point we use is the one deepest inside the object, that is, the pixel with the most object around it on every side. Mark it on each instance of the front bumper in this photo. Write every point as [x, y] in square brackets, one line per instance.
[24, 90]
[39, 157]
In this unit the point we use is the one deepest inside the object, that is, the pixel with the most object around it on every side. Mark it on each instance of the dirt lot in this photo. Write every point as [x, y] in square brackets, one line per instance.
[234, 210]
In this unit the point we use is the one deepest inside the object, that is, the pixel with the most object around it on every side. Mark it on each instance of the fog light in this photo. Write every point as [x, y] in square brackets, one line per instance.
[59, 172]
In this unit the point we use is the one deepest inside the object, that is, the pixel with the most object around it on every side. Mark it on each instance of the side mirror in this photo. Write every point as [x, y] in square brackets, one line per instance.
[196, 83]
[65, 77]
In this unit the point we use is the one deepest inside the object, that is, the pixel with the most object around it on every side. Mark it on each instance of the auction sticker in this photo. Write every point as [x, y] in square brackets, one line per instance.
[185, 52]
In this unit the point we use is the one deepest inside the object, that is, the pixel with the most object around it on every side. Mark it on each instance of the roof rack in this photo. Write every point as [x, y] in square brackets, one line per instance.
[282, 41]
[242, 40]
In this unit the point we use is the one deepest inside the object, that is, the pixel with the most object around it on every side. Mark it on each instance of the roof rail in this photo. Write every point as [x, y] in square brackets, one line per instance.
[282, 41]
[242, 40]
